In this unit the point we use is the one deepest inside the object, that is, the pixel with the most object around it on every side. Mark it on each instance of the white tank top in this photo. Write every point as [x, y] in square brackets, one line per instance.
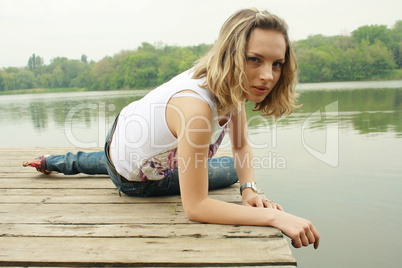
[143, 147]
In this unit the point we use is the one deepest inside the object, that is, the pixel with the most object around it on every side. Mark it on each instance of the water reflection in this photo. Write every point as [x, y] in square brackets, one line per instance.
[365, 110]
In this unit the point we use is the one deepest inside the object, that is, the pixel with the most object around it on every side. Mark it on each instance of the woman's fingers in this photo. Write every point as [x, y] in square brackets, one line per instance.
[310, 237]
[301, 231]
[272, 204]
[316, 243]
[259, 203]
[262, 201]
[255, 201]
[305, 240]
[296, 242]
[316, 236]
[302, 240]
[279, 207]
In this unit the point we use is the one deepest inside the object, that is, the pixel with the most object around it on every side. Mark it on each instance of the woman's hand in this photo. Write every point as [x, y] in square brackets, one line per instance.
[252, 199]
[301, 231]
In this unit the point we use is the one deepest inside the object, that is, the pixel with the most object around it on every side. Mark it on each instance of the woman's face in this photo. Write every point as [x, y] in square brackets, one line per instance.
[265, 57]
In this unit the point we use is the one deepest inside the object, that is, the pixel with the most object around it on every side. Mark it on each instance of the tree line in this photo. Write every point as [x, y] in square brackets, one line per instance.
[370, 51]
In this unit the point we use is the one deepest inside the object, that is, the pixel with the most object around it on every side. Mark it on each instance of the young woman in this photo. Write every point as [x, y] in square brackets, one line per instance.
[163, 144]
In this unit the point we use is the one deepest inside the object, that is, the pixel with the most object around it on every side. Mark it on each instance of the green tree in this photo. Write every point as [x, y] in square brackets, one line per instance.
[25, 80]
[319, 71]
[9, 81]
[372, 33]
[396, 44]
[71, 69]
[45, 80]
[378, 58]
[8, 78]
[101, 73]
[58, 76]
[84, 59]
[140, 69]
[31, 62]
[38, 61]
[1, 81]
[35, 63]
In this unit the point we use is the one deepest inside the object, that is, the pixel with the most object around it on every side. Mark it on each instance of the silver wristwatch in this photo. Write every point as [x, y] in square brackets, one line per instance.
[251, 185]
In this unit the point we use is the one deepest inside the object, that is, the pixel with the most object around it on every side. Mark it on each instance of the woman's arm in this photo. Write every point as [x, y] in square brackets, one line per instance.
[243, 157]
[192, 125]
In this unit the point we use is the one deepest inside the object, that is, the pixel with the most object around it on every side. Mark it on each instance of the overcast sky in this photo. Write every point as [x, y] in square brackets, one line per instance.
[99, 28]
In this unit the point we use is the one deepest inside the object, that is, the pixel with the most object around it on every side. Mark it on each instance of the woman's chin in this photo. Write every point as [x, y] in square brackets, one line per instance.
[253, 98]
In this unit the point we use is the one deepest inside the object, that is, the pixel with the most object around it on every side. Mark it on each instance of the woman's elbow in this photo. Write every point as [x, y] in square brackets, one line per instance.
[194, 213]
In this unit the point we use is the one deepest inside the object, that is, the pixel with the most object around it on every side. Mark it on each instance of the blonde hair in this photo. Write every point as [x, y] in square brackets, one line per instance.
[224, 65]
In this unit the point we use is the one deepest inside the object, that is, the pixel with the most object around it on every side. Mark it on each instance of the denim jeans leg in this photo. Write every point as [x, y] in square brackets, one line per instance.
[69, 164]
[221, 173]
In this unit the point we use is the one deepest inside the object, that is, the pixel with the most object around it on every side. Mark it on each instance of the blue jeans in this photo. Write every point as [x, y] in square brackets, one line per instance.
[70, 164]
[221, 173]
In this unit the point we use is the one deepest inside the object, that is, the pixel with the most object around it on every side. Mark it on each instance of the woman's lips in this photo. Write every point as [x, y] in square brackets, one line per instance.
[260, 89]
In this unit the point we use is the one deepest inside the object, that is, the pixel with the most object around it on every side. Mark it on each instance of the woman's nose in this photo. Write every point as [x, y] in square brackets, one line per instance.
[266, 73]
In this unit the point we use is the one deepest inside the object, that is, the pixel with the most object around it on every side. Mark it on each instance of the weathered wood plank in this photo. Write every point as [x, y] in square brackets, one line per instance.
[138, 230]
[63, 182]
[82, 182]
[87, 196]
[93, 213]
[143, 251]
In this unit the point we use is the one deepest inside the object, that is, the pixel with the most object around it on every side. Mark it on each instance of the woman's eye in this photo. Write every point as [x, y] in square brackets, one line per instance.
[254, 59]
[278, 64]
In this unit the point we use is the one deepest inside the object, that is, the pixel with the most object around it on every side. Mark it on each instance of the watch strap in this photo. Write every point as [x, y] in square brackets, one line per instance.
[251, 185]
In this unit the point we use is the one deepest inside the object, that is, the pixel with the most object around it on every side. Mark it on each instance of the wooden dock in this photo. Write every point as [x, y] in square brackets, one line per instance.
[81, 220]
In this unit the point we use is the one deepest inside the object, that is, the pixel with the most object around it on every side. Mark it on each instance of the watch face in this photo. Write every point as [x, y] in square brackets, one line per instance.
[254, 186]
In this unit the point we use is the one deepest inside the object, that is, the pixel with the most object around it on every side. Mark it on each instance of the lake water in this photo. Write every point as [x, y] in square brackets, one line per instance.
[335, 161]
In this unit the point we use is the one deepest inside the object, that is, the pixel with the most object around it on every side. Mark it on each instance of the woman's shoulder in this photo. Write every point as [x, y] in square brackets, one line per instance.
[180, 83]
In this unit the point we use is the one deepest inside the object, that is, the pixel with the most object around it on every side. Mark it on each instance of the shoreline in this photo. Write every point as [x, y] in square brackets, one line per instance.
[301, 86]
